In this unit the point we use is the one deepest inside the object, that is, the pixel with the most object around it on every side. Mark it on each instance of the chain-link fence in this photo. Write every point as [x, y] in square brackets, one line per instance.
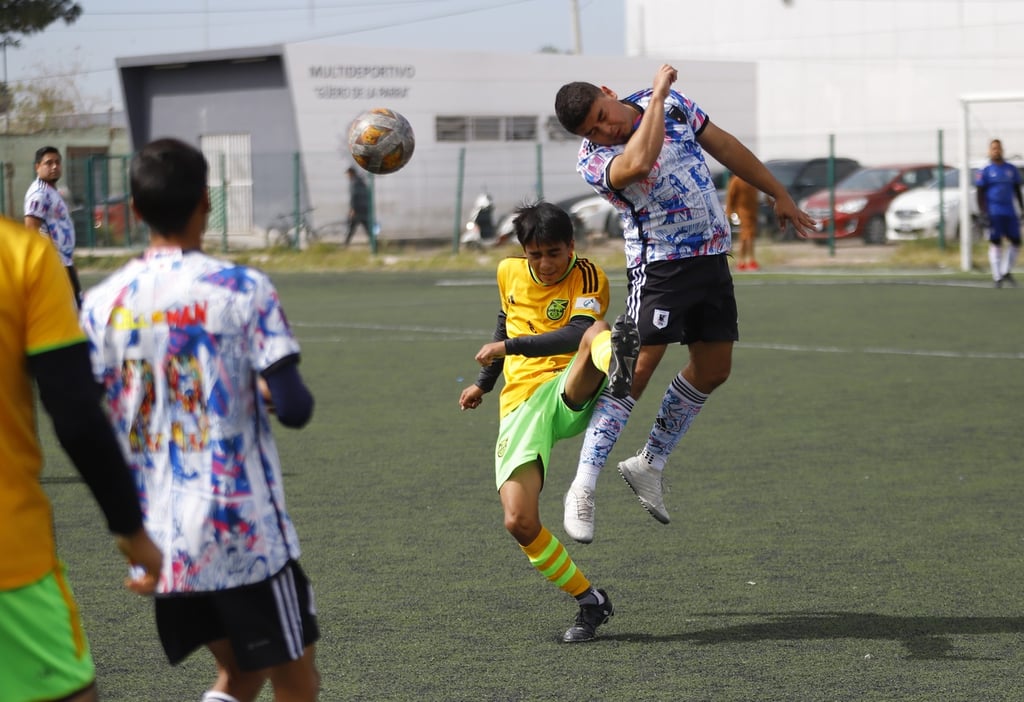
[289, 199]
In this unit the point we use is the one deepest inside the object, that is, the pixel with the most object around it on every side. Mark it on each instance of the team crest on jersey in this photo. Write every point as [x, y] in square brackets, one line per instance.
[660, 320]
[557, 308]
[502, 447]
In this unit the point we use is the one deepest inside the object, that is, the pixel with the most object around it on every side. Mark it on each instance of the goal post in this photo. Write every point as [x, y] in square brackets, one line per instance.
[966, 101]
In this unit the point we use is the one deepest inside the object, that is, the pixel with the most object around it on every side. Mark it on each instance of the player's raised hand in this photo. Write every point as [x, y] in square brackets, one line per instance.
[663, 80]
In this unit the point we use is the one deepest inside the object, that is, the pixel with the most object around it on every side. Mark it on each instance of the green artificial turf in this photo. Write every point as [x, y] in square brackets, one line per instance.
[845, 511]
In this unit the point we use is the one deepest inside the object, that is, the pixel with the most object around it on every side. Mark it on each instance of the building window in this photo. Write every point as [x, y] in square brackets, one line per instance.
[556, 132]
[485, 129]
[449, 128]
[521, 128]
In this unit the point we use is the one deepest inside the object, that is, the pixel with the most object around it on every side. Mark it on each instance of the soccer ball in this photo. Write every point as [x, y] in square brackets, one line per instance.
[381, 140]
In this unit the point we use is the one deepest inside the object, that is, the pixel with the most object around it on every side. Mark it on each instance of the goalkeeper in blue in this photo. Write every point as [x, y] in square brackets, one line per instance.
[557, 354]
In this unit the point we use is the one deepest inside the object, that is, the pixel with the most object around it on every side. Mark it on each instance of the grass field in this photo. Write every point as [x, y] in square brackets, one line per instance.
[846, 511]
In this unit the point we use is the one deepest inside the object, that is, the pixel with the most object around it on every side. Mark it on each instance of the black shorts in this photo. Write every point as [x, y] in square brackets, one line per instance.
[684, 301]
[268, 623]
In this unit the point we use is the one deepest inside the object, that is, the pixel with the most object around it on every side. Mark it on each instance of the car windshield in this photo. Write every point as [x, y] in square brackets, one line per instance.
[868, 179]
[784, 171]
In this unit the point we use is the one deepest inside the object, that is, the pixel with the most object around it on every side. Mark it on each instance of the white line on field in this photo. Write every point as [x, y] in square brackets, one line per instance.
[795, 348]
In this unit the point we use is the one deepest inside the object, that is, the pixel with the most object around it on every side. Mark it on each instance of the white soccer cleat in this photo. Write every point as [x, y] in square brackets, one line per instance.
[579, 514]
[647, 483]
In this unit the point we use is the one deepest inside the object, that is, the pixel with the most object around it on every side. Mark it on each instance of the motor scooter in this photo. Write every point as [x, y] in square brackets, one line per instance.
[480, 230]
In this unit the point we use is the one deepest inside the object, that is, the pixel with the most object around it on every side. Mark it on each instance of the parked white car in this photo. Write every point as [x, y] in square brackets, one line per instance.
[915, 214]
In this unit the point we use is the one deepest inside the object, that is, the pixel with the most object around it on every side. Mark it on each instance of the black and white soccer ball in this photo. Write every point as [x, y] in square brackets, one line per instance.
[381, 140]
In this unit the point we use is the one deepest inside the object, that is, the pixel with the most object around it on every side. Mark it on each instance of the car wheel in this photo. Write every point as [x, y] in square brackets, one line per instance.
[613, 226]
[874, 231]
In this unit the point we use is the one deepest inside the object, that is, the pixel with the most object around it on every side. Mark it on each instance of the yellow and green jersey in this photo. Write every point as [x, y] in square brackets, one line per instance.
[533, 308]
[37, 314]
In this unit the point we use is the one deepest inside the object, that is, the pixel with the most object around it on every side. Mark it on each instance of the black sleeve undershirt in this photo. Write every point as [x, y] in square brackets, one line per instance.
[293, 402]
[72, 399]
[552, 343]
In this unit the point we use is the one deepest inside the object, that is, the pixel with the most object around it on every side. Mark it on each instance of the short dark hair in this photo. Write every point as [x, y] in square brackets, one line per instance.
[43, 150]
[542, 223]
[573, 103]
[168, 181]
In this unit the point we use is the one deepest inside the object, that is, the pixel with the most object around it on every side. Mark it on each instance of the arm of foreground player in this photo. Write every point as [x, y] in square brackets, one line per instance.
[291, 400]
[69, 395]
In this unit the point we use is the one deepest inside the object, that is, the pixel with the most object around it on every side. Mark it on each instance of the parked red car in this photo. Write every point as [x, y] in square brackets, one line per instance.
[862, 198]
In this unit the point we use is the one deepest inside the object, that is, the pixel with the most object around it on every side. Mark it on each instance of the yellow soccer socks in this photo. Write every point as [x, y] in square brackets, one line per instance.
[549, 556]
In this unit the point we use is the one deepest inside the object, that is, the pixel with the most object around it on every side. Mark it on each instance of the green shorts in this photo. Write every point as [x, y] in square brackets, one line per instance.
[42, 643]
[530, 430]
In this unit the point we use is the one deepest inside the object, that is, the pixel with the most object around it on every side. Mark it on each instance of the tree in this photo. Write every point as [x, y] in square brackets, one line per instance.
[26, 17]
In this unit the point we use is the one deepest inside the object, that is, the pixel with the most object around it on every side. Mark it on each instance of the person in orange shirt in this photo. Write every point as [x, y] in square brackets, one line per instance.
[741, 207]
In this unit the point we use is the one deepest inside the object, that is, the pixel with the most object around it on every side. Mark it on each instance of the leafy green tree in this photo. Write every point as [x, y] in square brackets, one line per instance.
[25, 17]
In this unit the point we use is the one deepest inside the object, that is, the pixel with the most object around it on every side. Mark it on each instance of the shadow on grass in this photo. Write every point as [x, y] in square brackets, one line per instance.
[925, 638]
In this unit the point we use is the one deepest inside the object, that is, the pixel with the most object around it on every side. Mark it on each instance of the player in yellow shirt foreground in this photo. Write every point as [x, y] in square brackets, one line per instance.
[557, 354]
[44, 651]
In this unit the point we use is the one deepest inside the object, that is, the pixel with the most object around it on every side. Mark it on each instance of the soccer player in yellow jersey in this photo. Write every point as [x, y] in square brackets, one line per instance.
[44, 652]
[557, 354]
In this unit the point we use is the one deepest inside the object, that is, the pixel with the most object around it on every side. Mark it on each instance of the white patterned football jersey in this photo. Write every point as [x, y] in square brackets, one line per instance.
[43, 201]
[177, 340]
[674, 212]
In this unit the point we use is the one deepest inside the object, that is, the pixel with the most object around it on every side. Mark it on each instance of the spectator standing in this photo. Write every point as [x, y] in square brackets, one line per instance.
[358, 205]
[47, 212]
[741, 205]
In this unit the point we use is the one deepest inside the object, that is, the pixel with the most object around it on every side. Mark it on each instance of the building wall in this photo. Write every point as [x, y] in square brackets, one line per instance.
[331, 85]
[883, 77]
[308, 104]
[196, 98]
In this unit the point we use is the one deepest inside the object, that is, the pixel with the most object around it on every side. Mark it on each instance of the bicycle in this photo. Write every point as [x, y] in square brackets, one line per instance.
[283, 234]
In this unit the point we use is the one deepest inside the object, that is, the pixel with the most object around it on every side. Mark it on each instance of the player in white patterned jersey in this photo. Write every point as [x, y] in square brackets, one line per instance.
[192, 351]
[645, 155]
[46, 211]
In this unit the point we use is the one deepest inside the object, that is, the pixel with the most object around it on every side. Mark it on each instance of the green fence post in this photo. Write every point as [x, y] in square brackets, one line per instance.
[540, 171]
[90, 200]
[374, 227]
[942, 202]
[125, 188]
[831, 177]
[296, 196]
[460, 179]
[3, 188]
[223, 203]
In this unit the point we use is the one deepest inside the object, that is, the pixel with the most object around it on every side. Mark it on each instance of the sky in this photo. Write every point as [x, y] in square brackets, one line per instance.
[109, 29]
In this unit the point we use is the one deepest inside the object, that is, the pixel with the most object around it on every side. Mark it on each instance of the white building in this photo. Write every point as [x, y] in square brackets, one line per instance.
[273, 122]
[882, 76]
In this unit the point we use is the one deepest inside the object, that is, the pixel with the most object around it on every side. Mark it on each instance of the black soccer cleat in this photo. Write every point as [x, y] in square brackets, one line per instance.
[589, 618]
[625, 349]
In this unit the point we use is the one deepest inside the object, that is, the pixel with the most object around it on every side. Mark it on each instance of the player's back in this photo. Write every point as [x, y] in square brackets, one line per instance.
[178, 339]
